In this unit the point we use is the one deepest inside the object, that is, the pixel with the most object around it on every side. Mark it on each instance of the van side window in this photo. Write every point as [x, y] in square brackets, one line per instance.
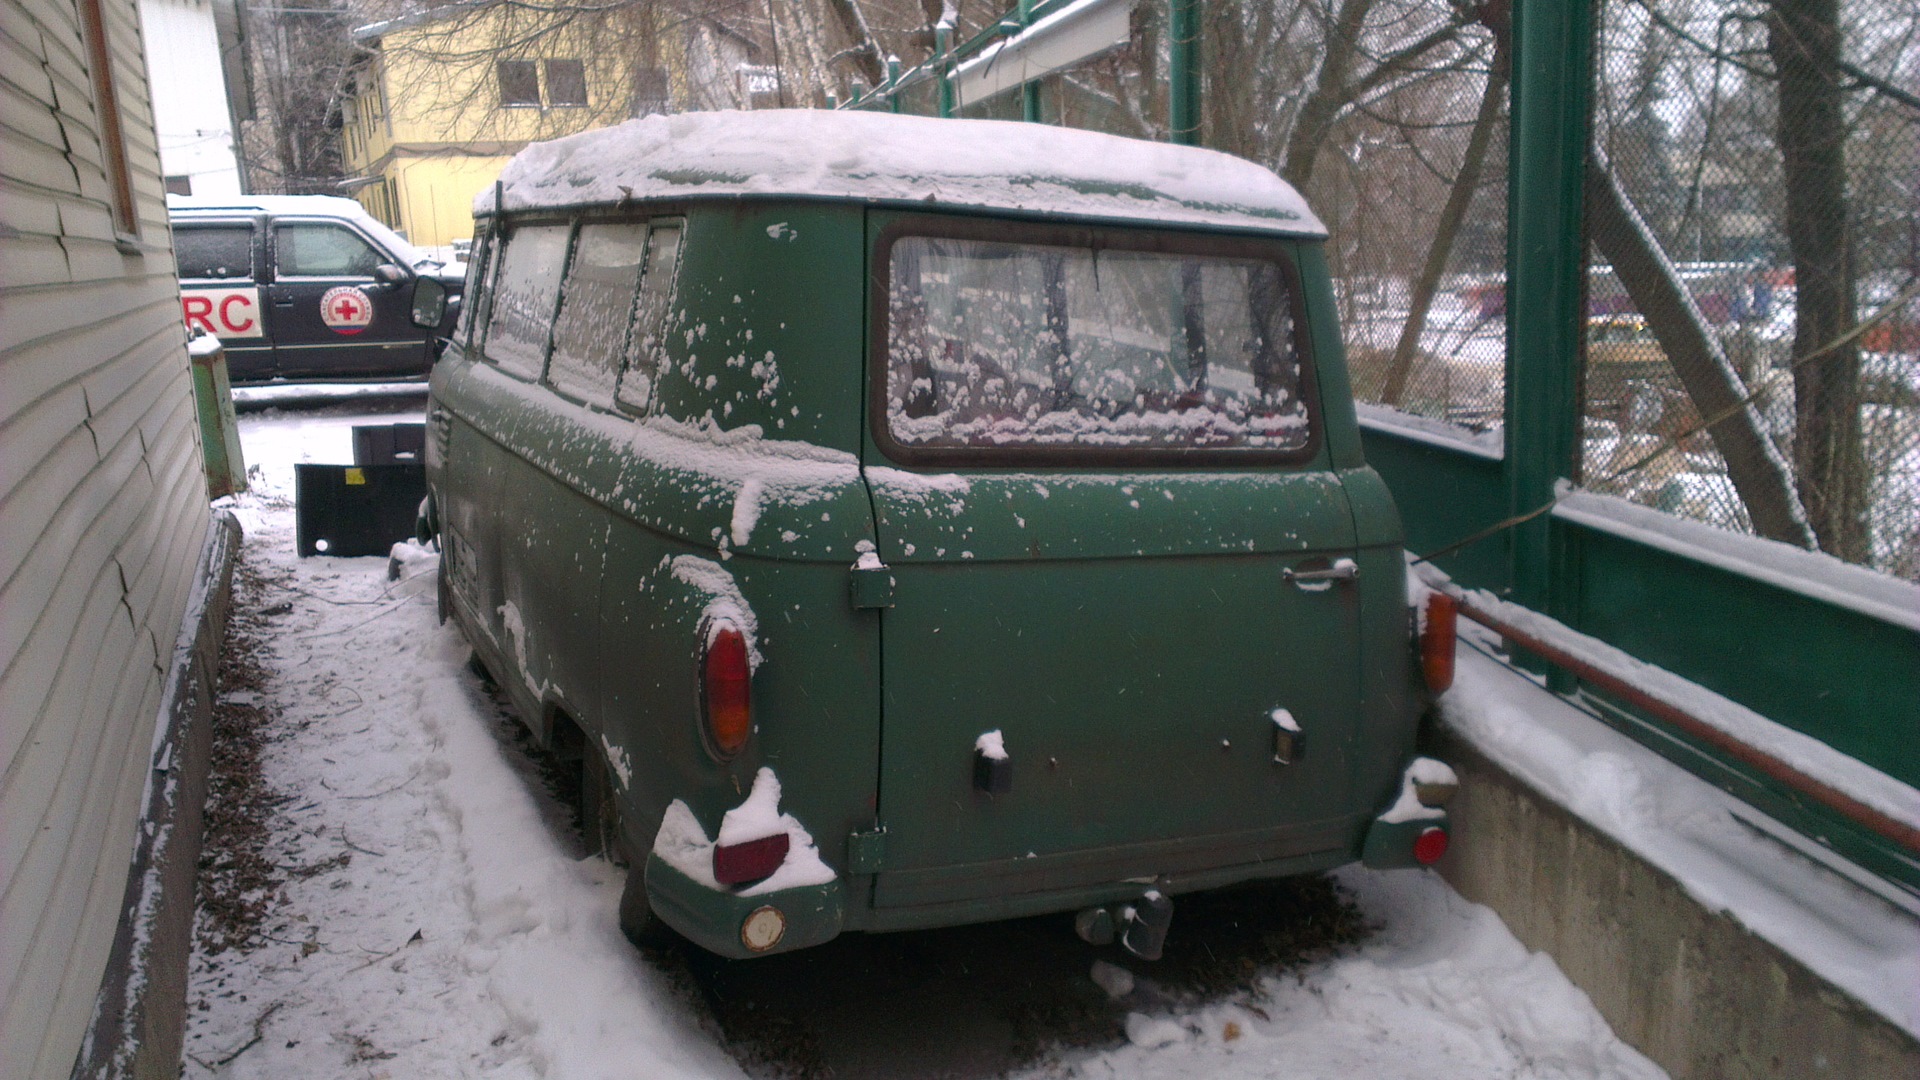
[477, 267]
[524, 292]
[596, 308]
[644, 352]
[314, 249]
[213, 252]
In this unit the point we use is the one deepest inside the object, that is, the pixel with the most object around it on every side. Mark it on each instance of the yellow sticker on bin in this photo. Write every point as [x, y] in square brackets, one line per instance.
[356, 477]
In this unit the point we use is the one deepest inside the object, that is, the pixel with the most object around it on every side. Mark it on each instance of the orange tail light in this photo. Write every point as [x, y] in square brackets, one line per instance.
[1437, 641]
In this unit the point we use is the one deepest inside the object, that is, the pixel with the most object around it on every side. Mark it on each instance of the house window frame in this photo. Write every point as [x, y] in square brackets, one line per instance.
[500, 77]
[548, 82]
[112, 133]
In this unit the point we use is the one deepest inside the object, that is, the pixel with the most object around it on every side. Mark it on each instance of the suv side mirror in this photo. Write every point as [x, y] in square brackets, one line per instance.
[429, 301]
[389, 274]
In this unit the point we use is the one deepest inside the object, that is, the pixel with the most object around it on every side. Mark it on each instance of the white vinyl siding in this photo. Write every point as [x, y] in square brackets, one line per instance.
[103, 515]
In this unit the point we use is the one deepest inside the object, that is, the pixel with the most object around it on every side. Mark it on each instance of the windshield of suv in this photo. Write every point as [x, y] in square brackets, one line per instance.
[994, 344]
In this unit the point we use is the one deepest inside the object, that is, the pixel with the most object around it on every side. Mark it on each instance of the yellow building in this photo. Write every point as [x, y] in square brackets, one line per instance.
[445, 97]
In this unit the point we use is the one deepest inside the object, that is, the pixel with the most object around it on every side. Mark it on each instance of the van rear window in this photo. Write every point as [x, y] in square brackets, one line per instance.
[524, 292]
[993, 344]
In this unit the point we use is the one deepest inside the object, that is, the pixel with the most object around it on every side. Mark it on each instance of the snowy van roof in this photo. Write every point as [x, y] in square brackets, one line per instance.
[904, 160]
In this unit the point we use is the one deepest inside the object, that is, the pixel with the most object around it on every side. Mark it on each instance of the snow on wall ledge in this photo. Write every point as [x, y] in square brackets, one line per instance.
[909, 160]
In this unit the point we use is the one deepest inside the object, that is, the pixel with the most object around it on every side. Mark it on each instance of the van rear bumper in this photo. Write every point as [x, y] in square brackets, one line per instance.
[715, 919]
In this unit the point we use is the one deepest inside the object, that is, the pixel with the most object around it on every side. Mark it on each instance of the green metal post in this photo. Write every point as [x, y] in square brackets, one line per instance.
[1546, 266]
[220, 452]
[943, 46]
[1029, 91]
[1183, 91]
[893, 84]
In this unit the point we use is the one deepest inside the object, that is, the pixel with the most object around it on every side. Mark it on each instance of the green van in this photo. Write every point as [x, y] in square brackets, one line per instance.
[910, 522]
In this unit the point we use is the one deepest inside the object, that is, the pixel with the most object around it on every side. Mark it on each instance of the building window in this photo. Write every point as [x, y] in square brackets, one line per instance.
[651, 91]
[566, 82]
[106, 103]
[759, 86]
[519, 82]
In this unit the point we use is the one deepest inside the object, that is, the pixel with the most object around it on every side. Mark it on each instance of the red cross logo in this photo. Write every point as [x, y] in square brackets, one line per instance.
[346, 310]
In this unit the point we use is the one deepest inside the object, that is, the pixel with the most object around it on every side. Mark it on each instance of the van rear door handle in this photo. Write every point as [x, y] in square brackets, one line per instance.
[1341, 570]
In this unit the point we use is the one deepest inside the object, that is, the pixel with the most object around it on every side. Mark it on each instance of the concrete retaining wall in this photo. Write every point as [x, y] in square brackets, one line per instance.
[140, 1015]
[1692, 989]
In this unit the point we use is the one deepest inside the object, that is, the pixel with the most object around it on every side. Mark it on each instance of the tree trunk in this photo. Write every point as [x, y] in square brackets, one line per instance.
[867, 56]
[1755, 467]
[1323, 106]
[1803, 37]
[1459, 198]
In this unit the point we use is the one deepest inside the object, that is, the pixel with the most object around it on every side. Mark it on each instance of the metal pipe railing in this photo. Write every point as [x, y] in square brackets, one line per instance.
[1790, 776]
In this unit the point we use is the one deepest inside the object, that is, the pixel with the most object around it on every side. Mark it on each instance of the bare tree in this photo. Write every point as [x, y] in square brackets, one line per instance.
[1466, 182]
[1803, 38]
[1758, 473]
[299, 56]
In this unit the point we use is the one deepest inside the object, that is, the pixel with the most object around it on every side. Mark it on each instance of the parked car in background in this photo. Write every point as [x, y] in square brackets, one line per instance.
[909, 522]
[309, 287]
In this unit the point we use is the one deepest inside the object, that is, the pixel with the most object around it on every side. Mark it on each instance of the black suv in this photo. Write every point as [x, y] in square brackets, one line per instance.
[309, 287]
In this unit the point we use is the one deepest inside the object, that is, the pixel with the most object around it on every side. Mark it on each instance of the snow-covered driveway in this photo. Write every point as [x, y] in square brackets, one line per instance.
[435, 919]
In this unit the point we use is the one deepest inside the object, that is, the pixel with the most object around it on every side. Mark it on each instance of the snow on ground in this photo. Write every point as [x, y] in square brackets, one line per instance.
[1443, 991]
[450, 930]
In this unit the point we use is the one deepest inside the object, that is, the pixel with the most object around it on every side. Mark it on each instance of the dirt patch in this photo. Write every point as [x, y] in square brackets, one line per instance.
[978, 1001]
[239, 883]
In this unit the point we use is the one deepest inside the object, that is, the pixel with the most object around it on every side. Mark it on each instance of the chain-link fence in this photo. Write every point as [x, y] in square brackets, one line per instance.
[1753, 202]
[1390, 116]
[1411, 177]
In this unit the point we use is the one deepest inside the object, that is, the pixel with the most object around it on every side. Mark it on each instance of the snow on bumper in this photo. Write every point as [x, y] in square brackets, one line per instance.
[800, 903]
[1414, 830]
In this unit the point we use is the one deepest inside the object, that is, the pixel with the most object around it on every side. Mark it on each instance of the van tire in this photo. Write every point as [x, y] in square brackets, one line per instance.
[599, 808]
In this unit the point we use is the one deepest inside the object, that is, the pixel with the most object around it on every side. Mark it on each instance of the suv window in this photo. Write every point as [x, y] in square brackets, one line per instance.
[524, 290]
[596, 308]
[644, 354]
[213, 251]
[317, 249]
[1012, 345]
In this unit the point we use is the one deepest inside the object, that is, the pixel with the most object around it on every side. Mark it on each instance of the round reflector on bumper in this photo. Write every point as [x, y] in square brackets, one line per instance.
[1428, 847]
[764, 927]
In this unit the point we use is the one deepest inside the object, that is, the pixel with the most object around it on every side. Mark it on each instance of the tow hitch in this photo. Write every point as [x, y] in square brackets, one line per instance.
[1139, 925]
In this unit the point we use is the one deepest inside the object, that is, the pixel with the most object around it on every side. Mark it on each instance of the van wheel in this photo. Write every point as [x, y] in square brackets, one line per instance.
[599, 808]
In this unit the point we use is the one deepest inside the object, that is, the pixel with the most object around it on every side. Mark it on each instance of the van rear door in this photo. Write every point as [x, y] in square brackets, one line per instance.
[1101, 489]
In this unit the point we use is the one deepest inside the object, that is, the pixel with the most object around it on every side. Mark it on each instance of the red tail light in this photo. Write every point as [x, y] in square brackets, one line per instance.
[735, 864]
[1429, 846]
[725, 678]
[1437, 642]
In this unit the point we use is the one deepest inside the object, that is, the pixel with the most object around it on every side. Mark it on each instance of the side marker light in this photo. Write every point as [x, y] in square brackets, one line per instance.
[1437, 641]
[763, 929]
